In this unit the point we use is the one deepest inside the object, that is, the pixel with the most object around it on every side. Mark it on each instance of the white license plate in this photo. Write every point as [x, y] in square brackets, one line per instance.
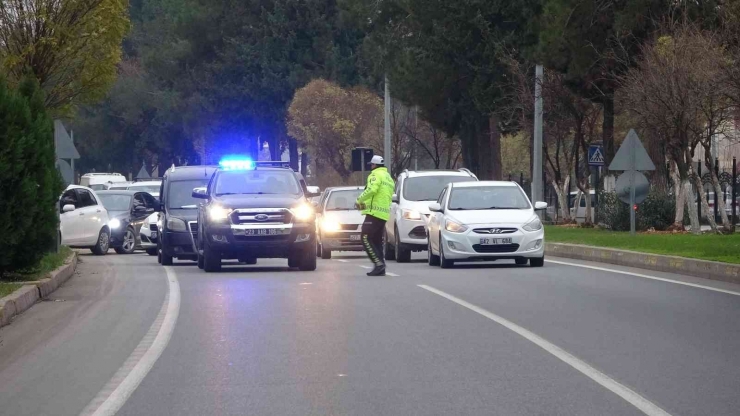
[494, 241]
[354, 237]
[263, 231]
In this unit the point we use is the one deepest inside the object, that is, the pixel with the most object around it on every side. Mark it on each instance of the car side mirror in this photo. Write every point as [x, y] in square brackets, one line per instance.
[435, 207]
[394, 198]
[539, 205]
[68, 208]
[312, 194]
[200, 193]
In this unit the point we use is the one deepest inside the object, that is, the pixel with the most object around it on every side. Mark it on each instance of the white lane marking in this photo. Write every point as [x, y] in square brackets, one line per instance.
[632, 397]
[125, 381]
[366, 267]
[342, 261]
[305, 283]
[678, 282]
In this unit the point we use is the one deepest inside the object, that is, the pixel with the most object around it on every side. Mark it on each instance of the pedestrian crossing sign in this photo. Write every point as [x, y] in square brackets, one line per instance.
[595, 155]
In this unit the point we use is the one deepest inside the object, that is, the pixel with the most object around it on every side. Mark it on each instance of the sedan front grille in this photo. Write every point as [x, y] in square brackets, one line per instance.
[498, 248]
[494, 230]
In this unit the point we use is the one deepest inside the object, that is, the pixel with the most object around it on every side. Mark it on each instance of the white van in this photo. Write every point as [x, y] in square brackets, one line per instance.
[101, 181]
[580, 214]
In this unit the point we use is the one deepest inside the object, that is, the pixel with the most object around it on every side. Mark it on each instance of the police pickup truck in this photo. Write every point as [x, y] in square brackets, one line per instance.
[255, 210]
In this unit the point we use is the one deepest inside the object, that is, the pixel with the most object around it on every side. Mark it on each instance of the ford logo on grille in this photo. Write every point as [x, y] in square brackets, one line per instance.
[261, 217]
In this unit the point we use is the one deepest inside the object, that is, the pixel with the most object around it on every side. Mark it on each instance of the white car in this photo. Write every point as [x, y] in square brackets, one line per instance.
[405, 231]
[338, 222]
[487, 220]
[83, 220]
[149, 232]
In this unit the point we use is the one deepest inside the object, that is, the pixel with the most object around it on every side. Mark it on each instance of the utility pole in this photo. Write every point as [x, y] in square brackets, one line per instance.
[537, 185]
[387, 153]
[416, 134]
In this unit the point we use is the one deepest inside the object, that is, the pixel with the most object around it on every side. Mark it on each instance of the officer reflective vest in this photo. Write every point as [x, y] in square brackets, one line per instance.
[376, 199]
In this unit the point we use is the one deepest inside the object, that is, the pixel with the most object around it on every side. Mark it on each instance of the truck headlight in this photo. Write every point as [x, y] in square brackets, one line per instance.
[533, 225]
[330, 225]
[455, 227]
[217, 213]
[410, 214]
[176, 224]
[303, 212]
[114, 223]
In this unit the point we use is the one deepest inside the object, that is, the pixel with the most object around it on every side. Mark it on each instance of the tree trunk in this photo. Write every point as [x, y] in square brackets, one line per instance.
[608, 129]
[680, 196]
[561, 190]
[691, 205]
[495, 142]
[587, 191]
[705, 205]
[293, 152]
[304, 163]
[721, 206]
[483, 141]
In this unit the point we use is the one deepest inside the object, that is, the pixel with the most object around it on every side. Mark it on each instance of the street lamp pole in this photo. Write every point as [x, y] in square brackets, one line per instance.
[537, 185]
[387, 153]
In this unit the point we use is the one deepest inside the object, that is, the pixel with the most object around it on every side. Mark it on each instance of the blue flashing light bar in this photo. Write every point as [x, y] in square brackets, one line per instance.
[236, 164]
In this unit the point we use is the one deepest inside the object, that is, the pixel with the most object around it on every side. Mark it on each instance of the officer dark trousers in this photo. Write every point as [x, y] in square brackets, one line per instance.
[372, 239]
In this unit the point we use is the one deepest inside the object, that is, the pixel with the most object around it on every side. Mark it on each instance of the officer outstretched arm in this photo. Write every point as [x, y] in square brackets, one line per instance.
[370, 190]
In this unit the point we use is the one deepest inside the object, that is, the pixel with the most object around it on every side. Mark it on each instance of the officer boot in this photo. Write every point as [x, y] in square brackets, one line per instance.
[379, 270]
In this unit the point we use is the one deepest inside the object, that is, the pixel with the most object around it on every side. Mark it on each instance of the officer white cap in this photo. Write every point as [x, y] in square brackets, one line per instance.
[377, 160]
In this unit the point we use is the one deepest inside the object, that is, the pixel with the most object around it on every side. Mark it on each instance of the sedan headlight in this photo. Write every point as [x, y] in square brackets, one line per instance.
[330, 225]
[114, 223]
[533, 225]
[409, 214]
[217, 213]
[175, 224]
[303, 212]
[455, 227]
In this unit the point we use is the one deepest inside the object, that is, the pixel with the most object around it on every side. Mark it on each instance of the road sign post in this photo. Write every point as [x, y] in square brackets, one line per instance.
[632, 186]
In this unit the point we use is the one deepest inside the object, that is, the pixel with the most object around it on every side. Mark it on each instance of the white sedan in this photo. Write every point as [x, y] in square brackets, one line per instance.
[485, 221]
[83, 220]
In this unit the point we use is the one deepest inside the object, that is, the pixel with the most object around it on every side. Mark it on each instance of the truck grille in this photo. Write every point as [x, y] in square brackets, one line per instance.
[499, 248]
[193, 229]
[261, 216]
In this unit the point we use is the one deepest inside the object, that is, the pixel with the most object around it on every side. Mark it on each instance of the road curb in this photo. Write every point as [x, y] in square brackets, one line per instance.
[31, 292]
[712, 270]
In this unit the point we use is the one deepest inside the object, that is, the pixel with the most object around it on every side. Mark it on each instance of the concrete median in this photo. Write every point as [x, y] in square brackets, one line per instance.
[712, 270]
[31, 292]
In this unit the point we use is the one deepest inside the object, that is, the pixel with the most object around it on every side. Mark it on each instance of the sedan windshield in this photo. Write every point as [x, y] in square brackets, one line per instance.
[488, 197]
[256, 182]
[145, 188]
[343, 200]
[115, 202]
[428, 188]
[181, 193]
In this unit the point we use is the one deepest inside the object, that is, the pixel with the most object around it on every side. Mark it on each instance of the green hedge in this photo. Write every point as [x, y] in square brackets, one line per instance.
[29, 181]
[657, 211]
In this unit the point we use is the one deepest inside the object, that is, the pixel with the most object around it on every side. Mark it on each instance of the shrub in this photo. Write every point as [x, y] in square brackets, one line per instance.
[656, 211]
[29, 182]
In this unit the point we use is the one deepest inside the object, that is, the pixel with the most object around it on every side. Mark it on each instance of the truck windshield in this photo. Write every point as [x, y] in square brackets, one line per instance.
[256, 182]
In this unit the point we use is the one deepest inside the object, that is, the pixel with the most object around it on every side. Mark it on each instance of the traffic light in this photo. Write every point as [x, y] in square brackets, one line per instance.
[357, 157]
[634, 207]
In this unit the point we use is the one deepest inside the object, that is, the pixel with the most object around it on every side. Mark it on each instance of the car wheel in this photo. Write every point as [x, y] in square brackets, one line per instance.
[443, 262]
[129, 242]
[152, 251]
[307, 261]
[432, 258]
[325, 253]
[201, 261]
[318, 249]
[537, 262]
[164, 259]
[103, 244]
[389, 251]
[521, 262]
[293, 262]
[403, 254]
[211, 260]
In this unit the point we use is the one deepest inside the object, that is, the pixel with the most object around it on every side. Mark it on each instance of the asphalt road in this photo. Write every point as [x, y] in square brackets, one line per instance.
[491, 339]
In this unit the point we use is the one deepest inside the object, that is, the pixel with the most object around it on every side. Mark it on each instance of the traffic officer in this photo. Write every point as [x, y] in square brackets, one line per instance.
[375, 203]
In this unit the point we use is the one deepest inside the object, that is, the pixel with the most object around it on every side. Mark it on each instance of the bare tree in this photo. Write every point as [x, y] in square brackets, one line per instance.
[676, 94]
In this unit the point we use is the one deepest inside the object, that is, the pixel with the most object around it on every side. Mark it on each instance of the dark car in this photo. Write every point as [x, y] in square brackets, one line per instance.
[127, 212]
[179, 212]
[256, 210]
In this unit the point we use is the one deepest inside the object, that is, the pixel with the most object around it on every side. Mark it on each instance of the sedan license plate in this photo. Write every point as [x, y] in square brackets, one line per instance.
[494, 241]
[263, 231]
[354, 237]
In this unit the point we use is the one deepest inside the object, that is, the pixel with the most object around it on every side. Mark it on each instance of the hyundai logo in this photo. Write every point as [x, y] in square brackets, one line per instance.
[496, 231]
[261, 217]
